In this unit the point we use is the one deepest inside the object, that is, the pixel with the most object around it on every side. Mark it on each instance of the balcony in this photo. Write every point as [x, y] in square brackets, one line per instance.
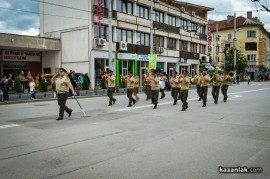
[165, 27]
[189, 55]
[105, 13]
[132, 48]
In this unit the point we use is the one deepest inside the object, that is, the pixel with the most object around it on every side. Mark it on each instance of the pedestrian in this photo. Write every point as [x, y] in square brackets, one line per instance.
[154, 89]
[215, 85]
[163, 80]
[174, 87]
[22, 80]
[130, 87]
[73, 81]
[184, 80]
[110, 78]
[63, 85]
[225, 80]
[204, 83]
[4, 87]
[87, 78]
[32, 88]
[248, 79]
[136, 87]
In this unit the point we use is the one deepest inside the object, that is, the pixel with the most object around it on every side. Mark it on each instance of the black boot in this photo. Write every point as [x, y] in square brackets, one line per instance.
[155, 107]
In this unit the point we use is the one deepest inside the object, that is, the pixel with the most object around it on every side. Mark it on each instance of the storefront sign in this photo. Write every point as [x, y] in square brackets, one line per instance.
[9, 55]
[152, 61]
[127, 56]
[100, 11]
[143, 57]
[209, 36]
[15, 65]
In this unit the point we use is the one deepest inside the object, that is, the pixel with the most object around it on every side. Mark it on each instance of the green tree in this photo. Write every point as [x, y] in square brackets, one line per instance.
[241, 61]
[17, 85]
[85, 85]
[43, 85]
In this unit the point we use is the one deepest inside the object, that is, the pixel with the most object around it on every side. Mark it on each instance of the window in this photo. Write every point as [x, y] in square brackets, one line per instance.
[142, 39]
[193, 47]
[102, 32]
[201, 29]
[105, 3]
[124, 35]
[251, 46]
[143, 12]
[251, 33]
[183, 45]
[124, 6]
[171, 43]
[159, 41]
[171, 20]
[183, 24]
[201, 48]
[217, 37]
[193, 27]
[251, 57]
[229, 36]
[158, 16]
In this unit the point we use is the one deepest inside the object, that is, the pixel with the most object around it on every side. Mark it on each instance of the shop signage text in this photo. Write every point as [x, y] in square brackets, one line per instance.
[9, 55]
[100, 11]
[131, 56]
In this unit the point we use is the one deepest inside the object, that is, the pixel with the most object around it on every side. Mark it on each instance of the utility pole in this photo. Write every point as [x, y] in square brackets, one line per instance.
[234, 46]
[151, 28]
[217, 39]
[110, 35]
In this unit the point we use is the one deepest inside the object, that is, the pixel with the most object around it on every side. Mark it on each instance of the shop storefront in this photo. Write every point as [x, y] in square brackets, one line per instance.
[16, 61]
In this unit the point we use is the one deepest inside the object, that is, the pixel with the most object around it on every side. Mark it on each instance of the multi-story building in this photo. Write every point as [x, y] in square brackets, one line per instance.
[251, 39]
[179, 35]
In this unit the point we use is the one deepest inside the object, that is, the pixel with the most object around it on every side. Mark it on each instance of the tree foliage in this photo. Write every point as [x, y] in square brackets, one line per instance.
[85, 85]
[17, 85]
[241, 61]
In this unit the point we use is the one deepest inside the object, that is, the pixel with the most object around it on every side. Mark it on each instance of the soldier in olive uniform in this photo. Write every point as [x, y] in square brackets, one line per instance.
[136, 87]
[111, 87]
[204, 83]
[174, 87]
[197, 77]
[154, 89]
[147, 86]
[184, 80]
[216, 86]
[225, 80]
[63, 85]
[130, 85]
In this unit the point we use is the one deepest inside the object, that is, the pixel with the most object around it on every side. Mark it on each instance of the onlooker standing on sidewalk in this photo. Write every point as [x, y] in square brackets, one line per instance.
[3, 85]
[22, 80]
[28, 78]
[63, 85]
[73, 82]
[87, 78]
[32, 88]
[80, 80]
[10, 82]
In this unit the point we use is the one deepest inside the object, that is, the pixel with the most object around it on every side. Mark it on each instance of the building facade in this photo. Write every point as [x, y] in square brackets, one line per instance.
[179, 35]
[251, 39]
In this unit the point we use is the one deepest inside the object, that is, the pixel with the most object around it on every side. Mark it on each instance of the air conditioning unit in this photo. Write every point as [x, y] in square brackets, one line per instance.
[182, 9]
[182, 60]
[193, 13]
[101, 42]
[160, 49]
[123, 46]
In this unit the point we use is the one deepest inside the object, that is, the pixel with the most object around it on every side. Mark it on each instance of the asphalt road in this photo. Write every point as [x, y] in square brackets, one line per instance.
[115, 142]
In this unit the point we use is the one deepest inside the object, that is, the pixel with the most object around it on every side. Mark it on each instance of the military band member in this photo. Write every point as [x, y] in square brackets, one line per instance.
[136, 87]
[130, 87]
[163, 79]
[184, 80]
[197, 77]
[111, 87]
[174, 87]
[204, 83]
[216, 86]
[63, 85]
[147, 86]
[154, 89]
[225, 80]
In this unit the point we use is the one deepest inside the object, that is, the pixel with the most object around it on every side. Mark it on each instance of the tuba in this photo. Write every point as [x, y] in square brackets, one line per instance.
[231, 74]
[194, 80]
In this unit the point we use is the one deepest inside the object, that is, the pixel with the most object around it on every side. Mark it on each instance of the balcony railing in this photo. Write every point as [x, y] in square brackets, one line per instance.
[165, 27]
[105, 12]
[189, 55]
[132, 48]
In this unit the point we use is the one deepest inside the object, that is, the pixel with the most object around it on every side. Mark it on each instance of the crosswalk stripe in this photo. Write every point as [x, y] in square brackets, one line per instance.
[7, 126]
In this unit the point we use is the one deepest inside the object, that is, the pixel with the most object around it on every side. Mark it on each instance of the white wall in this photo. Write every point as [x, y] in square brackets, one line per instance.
[75, 50]
[51, 60]
[55, 18]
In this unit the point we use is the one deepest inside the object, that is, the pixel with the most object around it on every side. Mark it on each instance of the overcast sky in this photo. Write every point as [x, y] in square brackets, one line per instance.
[21, 16]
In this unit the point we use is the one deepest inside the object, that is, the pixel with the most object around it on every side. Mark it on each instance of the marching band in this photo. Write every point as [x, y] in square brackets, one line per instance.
[180, 84]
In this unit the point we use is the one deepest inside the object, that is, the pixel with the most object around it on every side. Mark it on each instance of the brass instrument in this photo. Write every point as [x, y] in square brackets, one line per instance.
[194, 80]
[231, 74]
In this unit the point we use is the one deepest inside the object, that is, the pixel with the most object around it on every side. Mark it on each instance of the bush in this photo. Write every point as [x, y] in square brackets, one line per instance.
[17, 85]
[43, 85]
[85, 85]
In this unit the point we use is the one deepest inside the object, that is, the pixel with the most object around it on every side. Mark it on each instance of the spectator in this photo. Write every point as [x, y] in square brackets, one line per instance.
[73, 82]
[3, 85]
[27, 80]
[10, 82]
[248, 79]
[87, 78]
[32, 88]
[22, 80]
[80, 80]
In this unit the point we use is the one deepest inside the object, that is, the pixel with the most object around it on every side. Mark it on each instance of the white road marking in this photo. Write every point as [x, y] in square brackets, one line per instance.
[10, 125]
